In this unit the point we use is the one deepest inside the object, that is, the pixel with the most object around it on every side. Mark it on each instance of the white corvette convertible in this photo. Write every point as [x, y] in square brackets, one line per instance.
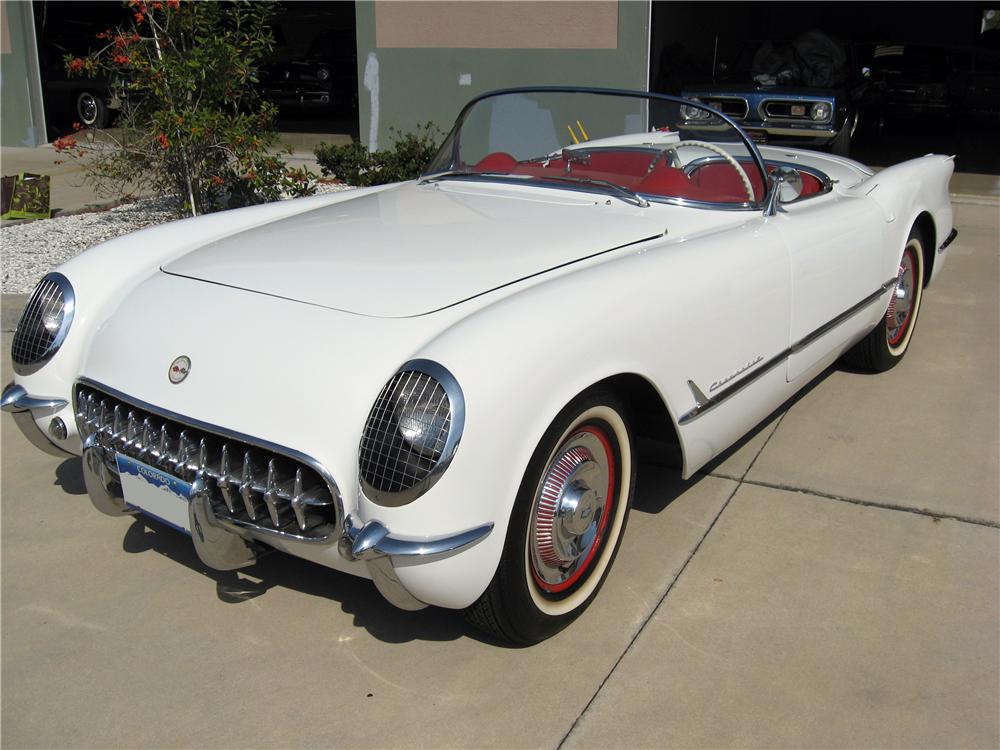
[439, 384]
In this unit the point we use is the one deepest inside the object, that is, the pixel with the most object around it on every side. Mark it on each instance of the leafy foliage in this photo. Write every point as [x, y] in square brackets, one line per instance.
[191, 124]
[356, 165]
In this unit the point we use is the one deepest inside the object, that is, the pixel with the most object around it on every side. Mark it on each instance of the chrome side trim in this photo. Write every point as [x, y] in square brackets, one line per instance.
[951, 238]
[703, 405]
[295, 455]
[16, 399]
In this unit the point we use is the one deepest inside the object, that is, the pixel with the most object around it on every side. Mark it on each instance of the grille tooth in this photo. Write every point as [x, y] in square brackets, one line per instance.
[147, 437]
[247, 489]
[264, 490]
[118, 427]
[227, 480]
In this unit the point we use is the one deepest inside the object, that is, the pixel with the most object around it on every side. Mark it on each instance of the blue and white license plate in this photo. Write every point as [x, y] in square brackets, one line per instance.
[155, 492]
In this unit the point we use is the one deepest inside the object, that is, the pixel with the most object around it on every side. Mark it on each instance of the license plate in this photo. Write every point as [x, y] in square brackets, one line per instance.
[155, 492]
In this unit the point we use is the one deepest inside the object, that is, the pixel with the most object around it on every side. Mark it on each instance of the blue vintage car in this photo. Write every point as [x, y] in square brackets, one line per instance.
[797, 94]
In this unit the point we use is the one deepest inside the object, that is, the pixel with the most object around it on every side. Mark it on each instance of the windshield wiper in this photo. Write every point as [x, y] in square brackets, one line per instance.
[629, 196]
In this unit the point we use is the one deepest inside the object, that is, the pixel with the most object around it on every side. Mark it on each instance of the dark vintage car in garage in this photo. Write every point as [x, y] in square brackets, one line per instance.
[325, 77]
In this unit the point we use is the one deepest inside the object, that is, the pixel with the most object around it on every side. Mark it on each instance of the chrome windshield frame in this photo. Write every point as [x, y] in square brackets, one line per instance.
[453, 139]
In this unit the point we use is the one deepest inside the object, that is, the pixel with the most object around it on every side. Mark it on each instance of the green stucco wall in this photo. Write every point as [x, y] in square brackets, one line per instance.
[23, 121]
[422, 85]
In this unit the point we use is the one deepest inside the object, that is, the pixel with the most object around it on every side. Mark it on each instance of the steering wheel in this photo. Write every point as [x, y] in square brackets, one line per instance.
[747, 185]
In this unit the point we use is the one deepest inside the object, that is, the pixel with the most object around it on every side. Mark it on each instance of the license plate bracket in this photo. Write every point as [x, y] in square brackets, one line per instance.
[154, 492]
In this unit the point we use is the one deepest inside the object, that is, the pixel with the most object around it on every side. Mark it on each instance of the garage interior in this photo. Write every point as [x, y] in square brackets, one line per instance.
[687, 41]
[955, 49]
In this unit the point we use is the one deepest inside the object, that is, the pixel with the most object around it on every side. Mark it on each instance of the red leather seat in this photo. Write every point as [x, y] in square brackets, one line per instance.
[498, 161]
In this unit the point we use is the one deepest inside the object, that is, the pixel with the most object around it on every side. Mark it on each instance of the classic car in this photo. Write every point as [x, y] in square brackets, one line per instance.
[799, 93]
[325, 77]
[440, 384]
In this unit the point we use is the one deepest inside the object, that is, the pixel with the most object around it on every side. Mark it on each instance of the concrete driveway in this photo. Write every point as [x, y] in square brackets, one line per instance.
[832, 582]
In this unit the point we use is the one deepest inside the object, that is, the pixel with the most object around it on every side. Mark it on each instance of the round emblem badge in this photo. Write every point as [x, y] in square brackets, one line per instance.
[179, 369]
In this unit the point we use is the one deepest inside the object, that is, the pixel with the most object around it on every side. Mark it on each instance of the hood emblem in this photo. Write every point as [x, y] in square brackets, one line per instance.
[179, 369]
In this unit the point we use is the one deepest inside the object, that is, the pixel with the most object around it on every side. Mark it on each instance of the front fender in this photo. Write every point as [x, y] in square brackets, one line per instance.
[515, 380]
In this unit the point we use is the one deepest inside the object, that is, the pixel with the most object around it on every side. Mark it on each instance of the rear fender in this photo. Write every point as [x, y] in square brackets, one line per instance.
[904, 192]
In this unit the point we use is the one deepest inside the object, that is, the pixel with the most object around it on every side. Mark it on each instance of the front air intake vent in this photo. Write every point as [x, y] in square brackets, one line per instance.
[411, 434]
[43, 325]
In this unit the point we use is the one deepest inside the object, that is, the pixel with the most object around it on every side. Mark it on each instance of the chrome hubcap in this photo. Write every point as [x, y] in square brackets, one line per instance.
[570, 510]
[901, 303]
[88, 109]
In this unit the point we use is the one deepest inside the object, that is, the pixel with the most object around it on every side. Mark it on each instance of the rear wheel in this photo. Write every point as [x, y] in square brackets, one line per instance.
[566, 525]
[884, 347]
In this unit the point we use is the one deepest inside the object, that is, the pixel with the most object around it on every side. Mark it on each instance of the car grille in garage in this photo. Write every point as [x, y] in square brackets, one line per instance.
[253, 487]
[38, 327]
[390, 462]
[735, 108]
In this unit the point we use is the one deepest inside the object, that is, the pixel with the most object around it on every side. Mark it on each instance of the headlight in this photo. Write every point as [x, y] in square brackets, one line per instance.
[695, 113]
[820, 111]
[44, 324]
[411, 433]
[323, 74]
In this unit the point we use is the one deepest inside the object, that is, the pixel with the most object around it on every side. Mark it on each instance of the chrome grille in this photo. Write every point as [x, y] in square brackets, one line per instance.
[389, 461]
[252, 486]
[734, 108]
[42, 325]
[783, 109]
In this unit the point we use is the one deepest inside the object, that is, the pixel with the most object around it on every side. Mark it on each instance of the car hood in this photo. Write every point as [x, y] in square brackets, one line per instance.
[414, 249]
[719, 89]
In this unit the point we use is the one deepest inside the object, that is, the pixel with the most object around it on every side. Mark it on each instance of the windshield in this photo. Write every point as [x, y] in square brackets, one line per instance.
[635, 147]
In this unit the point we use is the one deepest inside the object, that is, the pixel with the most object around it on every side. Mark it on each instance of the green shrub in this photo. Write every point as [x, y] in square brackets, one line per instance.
[192, 127]
[356, 165]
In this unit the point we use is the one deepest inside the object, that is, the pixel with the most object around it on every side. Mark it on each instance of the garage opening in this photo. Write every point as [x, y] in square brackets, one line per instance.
[913, 78]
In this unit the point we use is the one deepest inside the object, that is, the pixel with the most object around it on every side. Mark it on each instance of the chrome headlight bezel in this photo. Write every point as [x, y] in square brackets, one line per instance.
[696, 113]
[380, 453]
[31, 320]
[817, 114]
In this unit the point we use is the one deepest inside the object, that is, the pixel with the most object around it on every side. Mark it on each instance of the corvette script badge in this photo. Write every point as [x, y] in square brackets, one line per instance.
[179, 369]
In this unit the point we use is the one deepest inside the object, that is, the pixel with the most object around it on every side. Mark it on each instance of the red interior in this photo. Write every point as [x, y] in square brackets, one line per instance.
[715, 182]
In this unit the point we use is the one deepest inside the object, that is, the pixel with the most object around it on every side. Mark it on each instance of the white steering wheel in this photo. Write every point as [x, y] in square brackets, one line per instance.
[747, 185]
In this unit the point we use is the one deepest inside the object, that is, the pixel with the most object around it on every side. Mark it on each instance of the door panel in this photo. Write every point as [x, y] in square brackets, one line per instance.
[733, 291]
[834, 244]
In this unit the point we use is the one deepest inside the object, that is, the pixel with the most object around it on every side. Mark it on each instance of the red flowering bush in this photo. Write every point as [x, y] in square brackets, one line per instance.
[191, 125]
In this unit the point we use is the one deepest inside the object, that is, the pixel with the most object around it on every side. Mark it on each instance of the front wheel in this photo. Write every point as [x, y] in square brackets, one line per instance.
[566, 525]
[884, 347]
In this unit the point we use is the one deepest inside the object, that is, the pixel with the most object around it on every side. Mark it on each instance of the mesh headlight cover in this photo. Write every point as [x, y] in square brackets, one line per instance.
[410, 435]
[44, 324]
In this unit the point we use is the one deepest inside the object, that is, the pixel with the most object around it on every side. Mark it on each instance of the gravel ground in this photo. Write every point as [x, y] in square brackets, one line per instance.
[32, 249]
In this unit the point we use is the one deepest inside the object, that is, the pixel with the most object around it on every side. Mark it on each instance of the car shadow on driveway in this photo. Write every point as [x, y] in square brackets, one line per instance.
[356, 596]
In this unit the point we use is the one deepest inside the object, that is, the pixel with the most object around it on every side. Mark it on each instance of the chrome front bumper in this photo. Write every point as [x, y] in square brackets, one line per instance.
[370, 542]
[21, 406]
